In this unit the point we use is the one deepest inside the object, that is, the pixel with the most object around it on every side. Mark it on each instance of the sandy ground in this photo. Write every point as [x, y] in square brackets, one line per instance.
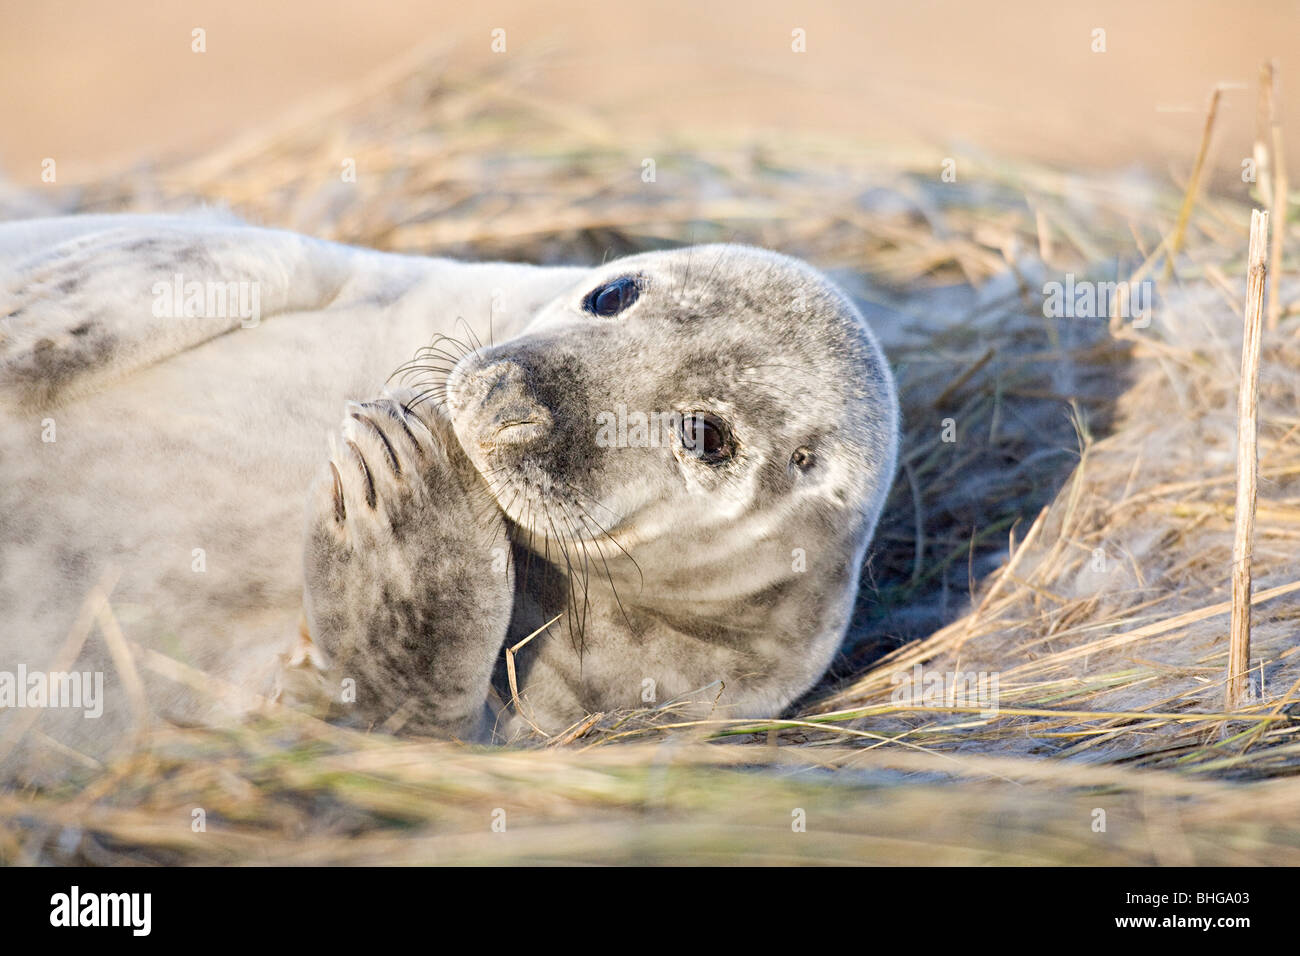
[91, 83]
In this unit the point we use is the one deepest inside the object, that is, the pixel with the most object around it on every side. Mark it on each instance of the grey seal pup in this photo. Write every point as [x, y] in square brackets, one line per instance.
[665, 471]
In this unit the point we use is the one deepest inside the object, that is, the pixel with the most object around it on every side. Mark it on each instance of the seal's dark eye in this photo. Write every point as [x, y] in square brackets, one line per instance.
[613, 297]
[706, 437]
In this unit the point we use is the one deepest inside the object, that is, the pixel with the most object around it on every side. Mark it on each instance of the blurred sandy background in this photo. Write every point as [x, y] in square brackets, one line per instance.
[93, 84]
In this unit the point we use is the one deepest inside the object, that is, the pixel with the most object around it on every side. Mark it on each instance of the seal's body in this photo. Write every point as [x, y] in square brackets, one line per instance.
[154, 430]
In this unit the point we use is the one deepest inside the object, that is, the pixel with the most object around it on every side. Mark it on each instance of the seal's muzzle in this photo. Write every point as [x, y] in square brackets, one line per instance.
[493, 403]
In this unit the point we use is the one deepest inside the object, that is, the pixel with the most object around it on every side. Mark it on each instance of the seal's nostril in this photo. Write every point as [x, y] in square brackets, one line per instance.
[481, 385]
[498, 377]
[471, 385]
[499, 383]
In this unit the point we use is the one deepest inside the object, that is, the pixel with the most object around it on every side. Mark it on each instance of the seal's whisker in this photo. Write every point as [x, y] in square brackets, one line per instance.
[427, 394]
[608, 535]
[707, 285]
[609, 574]
[405, 374]
[806, 369]
[430, 360]
[428, 365]
[760, 383]
[489, 498]
[599, 504]
[457, 352]
[586, 572]
[469, 330]
[484, 502]
[686, 272]
[576, 617]
[433, 351]
[459, 348]
[575, 631]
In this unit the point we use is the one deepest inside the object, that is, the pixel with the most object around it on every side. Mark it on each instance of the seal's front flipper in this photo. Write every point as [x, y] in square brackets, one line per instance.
[89, 309]
[407, 592]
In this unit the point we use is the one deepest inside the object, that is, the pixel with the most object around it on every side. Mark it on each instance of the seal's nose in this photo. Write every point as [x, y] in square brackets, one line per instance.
[495, 401]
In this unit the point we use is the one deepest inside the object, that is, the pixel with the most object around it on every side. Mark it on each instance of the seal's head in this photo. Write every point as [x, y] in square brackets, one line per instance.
[698, 404]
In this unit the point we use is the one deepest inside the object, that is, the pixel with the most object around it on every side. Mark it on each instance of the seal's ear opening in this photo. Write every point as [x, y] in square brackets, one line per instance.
[802, 459]
[823, 469]
[815, 474]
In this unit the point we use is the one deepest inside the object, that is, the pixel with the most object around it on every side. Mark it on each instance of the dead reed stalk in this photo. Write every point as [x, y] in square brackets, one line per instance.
[1193, 185]
[1279, 230]
[1247, 461]
[1270, 169]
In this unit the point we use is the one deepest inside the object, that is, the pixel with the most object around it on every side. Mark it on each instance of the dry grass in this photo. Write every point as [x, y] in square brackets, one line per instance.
[1075, 538]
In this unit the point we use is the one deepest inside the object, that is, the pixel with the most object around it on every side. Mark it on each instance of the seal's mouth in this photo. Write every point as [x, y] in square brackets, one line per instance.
[523, 431]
